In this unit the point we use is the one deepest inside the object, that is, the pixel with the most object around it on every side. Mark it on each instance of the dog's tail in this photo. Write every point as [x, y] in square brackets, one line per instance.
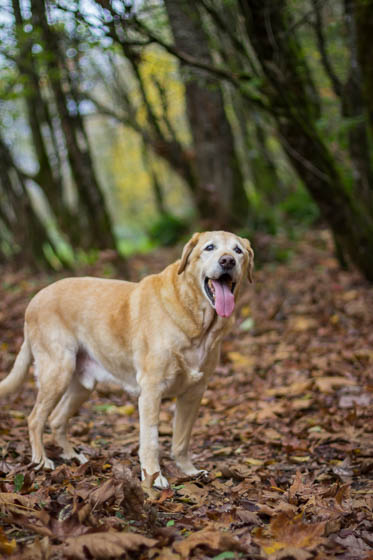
[19, 370]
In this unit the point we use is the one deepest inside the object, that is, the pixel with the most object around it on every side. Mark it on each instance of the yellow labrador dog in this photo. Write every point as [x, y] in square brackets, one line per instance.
[156, 338]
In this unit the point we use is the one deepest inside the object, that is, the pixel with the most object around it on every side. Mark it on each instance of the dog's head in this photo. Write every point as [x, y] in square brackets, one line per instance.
[219, 261]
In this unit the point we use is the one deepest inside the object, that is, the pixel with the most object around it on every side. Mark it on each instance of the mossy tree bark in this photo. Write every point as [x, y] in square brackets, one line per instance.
[92, 205]
[28, 234]
[295, 107]
[220, 194]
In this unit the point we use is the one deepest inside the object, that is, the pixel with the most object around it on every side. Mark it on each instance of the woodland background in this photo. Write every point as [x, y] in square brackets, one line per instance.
[127, 125]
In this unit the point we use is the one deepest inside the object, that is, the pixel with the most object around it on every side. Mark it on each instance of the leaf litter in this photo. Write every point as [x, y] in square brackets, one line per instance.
[285, 431]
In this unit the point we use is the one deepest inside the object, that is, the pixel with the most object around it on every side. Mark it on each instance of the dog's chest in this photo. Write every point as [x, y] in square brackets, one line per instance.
[189, 367]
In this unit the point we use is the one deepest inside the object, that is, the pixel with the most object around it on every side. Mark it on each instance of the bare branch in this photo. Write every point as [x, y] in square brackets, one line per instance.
[190, 60]
[222, 25]
[319, 30]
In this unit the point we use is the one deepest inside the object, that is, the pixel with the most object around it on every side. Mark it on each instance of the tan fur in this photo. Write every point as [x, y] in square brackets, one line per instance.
[157, 338]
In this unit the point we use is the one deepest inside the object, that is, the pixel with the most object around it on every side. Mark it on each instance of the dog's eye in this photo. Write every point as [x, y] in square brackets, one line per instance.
[210, 247]
[237, 250]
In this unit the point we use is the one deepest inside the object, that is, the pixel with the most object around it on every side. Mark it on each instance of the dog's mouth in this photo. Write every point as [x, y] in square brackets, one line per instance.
[220, 294]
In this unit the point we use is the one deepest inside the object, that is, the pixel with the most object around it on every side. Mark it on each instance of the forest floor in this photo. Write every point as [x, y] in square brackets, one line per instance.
[285, 430]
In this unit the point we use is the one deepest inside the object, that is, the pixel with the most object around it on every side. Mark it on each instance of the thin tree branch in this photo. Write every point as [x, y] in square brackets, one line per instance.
[319, 30]
[222, 25]
[190, 60]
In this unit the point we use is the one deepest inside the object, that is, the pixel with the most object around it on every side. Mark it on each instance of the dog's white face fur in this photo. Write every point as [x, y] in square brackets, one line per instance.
[159, 337]
[220, 261]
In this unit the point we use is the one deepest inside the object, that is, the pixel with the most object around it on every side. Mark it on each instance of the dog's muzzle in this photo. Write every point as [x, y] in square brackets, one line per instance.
[220, 292]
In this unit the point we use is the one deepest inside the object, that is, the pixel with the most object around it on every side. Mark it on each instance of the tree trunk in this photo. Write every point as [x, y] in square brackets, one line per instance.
[38, 115]
[19, 217]
[91, 200]
[363, 14]
[292, 95]
[220, 196]
[353, 107]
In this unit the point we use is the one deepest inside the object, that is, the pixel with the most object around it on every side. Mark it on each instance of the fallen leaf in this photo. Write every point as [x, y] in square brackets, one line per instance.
[349, 401]
[285, 533]
[301, 323]
[125, 410]
[193, 493]
[328, 384]
[213, 540]
[10, 501]
[7, 547]
[104, 545]
[240, 360]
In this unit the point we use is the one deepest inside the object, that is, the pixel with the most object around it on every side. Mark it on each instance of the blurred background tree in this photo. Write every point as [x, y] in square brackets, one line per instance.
[125, 124]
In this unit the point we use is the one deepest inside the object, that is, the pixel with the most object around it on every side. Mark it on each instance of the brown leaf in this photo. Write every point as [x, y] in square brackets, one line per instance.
[129, 493]
[213, 540]
[193, 493]
[104, 545]
[12, 502]
[147, 485]
[103, 493]
[329, 384]
[285, 533]
[167, 554]
[296, 487]
[41, 549]
[355, 546]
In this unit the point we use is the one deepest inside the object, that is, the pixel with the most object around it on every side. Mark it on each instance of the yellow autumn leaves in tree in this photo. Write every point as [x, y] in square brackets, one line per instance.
[131, 176]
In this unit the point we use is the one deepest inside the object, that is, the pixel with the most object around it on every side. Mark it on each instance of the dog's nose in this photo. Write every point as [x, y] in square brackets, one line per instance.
[227, 262]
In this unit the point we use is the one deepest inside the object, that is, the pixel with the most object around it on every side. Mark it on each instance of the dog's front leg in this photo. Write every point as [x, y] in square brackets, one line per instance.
[149, 405]
[187, 406]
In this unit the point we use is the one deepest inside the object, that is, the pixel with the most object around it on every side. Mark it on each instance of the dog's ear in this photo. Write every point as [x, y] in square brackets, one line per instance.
[246, 244]
[187, 251]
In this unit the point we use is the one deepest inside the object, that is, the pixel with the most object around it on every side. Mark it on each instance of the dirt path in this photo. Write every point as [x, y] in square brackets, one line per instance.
[285, 430]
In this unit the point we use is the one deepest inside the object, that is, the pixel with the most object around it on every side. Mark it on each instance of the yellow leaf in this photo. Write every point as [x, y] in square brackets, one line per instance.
[245, 311]
[125, 410]
[16, 414]
[274, 547]
[301, 324]
[350, 295]
[254, 462]
[299, 459]
[278, 489]
[7, 547]
[239, 360]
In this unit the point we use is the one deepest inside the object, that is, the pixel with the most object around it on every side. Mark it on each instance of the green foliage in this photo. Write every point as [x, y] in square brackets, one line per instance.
[18, 482]
[299, 208]
[167, 230]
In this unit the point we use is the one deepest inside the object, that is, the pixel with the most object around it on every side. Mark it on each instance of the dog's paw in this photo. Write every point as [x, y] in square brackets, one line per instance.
[187, 467]
[46, 464]
[161, 482]
[80, 457]
[201, 473]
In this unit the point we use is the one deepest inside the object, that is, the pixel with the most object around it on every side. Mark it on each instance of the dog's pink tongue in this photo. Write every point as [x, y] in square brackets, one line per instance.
[224, 299]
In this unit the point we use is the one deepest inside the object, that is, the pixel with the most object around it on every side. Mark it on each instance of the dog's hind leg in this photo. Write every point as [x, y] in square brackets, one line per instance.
[69, 404]
[54, 372]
